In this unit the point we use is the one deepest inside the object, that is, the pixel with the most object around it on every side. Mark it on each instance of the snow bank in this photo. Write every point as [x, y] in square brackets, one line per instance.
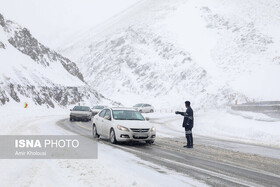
[112, 168]
[243, 127]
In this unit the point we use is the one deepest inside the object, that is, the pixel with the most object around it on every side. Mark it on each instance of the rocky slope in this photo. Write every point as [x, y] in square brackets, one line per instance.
[32, 72]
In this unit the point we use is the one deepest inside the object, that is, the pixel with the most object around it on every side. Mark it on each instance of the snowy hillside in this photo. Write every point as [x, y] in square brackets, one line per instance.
[32, 72]
[163, 52]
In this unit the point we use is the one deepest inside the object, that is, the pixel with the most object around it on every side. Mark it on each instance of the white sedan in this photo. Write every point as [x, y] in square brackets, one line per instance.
[144, 108]
[122, 124]
[96, 109]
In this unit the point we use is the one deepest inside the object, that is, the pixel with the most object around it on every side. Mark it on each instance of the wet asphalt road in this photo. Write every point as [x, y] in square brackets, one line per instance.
[224, 163]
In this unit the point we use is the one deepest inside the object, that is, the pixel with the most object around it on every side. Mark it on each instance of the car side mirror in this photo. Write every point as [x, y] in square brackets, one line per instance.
[107, 117]
[147, 119]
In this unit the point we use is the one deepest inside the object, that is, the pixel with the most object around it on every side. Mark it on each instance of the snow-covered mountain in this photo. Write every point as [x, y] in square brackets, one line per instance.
[32, 72]
[164, 52]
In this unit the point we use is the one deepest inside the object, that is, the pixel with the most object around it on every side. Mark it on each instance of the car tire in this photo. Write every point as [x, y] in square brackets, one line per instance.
[89, 119]
[113, 136]
[71, 119]
[140, 111]
[151, 111]
[94, 132]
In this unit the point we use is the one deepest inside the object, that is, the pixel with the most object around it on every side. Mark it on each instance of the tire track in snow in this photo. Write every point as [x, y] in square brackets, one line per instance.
[198, 162]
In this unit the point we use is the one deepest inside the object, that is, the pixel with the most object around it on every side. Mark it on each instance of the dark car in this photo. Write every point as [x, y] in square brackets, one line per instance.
[82, 113]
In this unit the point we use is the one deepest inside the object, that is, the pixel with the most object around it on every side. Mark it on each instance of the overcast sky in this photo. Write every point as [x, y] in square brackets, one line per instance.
[54, 22]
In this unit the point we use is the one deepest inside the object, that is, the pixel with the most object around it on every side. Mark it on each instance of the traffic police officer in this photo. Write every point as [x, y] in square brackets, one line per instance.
[188, 123]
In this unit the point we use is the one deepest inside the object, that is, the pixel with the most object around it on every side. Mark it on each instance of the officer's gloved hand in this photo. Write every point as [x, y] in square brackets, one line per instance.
[177, 112]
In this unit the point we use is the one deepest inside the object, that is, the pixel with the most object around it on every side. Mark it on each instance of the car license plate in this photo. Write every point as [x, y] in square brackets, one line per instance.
[139, 135]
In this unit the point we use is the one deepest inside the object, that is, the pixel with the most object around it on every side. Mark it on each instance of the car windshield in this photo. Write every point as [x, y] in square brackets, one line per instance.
[127, 115]
[138, 105]
[98, 107]
[81, 108]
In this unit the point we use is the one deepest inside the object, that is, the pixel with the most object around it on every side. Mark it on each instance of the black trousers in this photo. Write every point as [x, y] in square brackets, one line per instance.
[189, 136]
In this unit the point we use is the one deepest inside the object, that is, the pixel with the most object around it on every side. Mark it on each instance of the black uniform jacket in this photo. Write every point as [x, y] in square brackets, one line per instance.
[188, 118]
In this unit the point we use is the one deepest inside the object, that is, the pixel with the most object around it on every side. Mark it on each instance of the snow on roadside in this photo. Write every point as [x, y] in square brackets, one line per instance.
[220, 124]
[254, 116]
[223, 125]
[113, 168]
[15, 119]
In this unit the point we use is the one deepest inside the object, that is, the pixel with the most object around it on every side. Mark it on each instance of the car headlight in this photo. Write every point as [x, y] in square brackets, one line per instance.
[153, 129]
[122, 128]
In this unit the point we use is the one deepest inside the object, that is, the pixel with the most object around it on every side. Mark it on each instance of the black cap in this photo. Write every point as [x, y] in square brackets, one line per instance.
[188, 103]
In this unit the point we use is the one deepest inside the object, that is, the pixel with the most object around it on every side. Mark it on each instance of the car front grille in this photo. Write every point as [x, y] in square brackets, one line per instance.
[139, 130]
[80, 115]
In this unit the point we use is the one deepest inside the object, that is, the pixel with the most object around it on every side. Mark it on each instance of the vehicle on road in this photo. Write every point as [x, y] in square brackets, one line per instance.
[82, 113]
[144, 108]
[122, 125]
[96, 109]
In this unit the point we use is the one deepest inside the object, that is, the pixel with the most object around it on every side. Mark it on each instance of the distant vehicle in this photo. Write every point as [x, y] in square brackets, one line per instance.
[96, 109]
[122, 124]
[83, 113]
[144, 108]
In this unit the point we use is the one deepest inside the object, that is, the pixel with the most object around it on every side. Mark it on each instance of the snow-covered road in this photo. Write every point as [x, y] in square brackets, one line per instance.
[114, 167]
[211, 162]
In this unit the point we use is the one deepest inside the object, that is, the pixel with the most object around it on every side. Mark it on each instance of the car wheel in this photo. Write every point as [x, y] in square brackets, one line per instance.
[151, 111]
[113, 137]
[94, 132]
[140, 111]
[89, 119]
[71, 119]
